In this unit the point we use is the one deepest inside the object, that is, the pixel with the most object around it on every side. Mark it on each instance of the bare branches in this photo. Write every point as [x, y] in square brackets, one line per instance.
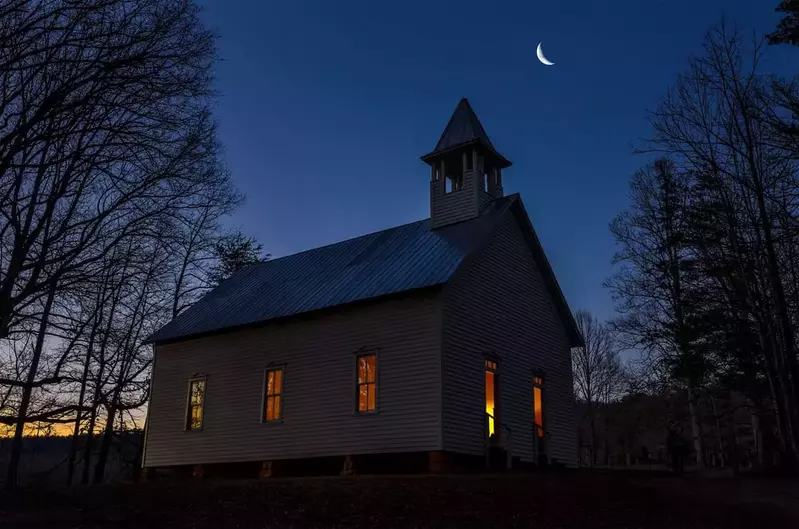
[596, 368]
[111, 193]
[707, 286]
[106, 127]
[596, 365]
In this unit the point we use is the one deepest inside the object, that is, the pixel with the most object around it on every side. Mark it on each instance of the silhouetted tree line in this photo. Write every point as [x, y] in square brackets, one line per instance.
[111, 194]
[707, 280]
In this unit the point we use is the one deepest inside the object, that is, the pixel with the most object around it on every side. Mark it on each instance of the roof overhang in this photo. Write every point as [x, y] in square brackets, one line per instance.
[153, 340]
[500, 160]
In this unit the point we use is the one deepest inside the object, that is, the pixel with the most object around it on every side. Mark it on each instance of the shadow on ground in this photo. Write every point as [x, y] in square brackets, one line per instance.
[568, 500]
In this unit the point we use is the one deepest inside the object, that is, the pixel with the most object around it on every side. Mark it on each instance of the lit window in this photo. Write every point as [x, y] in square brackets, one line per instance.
[538, 403]
[194, 414]
[274, 395]
[367, 383]
[491, 372]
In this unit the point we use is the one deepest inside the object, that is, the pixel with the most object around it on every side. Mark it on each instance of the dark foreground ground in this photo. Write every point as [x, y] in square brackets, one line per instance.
[569, 500]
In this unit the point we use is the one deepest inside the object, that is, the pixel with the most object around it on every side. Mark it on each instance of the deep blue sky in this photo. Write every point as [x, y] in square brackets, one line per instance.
[325, 107]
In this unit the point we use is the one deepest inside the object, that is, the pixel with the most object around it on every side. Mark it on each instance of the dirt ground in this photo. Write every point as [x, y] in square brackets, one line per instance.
[567, 500]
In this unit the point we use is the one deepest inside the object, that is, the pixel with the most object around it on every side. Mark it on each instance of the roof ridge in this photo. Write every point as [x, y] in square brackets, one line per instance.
[343, 241]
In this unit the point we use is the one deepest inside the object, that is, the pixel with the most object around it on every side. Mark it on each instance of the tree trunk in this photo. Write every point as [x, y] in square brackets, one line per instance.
[73, 450]
[73, 447]
[786, 445]
[696, 429]
[105, 446]
[593, 433]
[16, 444]
[87, 448]
[757, 435]
[722, 461]
[788, 350]
[87, 451]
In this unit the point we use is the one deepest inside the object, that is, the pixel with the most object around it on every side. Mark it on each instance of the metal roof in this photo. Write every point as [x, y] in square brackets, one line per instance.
[395, 260]
[464, 128]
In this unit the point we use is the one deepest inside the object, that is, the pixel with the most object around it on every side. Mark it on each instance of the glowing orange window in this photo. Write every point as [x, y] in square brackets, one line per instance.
[490, 373]
[273, 408]
[367, 383]
[196, 405]
[538, 404]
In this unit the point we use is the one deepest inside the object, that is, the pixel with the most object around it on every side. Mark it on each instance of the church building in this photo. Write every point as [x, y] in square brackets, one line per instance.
[439, 343]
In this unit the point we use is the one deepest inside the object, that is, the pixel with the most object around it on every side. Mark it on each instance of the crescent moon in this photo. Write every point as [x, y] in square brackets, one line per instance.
[541, 57]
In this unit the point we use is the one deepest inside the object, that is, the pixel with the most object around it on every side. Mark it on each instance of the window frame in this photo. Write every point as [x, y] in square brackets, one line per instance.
[264, 396]
[187, 415]
[376, 383]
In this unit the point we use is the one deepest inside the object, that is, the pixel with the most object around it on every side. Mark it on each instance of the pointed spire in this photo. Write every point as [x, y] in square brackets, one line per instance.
[463, 128]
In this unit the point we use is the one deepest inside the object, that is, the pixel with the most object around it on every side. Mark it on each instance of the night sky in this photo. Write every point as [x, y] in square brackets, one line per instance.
[325, 108]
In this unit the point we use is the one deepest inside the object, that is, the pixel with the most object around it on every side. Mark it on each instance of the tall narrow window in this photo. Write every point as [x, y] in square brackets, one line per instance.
[538, 403]
[194, 413]
[491, 373]
[367, 383]
[273, 408]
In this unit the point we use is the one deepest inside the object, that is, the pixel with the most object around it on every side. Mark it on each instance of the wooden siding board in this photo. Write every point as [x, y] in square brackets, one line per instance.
[461, 205]
[319, 417]
[499, 305]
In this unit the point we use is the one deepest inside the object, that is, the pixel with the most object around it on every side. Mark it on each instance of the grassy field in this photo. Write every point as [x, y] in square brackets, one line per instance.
[568, 500]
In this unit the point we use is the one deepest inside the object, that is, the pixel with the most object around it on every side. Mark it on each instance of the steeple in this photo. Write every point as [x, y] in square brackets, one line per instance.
[465, 169]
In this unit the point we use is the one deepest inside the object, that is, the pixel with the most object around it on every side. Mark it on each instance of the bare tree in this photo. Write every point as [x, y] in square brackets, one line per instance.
[105, 138]
[595, 368]
[193, 240]
[720, 123]
[656, 286]
[142, 309]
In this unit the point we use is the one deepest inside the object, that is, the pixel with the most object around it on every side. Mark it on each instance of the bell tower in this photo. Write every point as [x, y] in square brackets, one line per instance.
[465, 169]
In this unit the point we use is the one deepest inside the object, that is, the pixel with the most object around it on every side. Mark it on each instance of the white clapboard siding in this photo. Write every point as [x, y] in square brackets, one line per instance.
[500, 307]
[318, 354]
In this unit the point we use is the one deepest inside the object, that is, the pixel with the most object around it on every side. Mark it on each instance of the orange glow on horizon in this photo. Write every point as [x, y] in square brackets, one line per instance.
[66, 429]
